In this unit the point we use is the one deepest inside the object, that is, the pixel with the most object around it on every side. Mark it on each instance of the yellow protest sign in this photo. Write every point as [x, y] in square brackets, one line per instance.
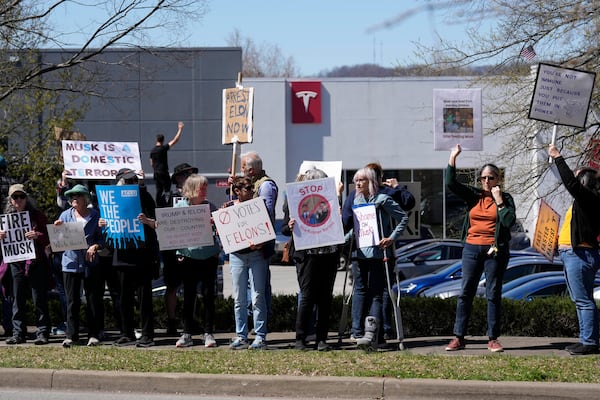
[546, 231]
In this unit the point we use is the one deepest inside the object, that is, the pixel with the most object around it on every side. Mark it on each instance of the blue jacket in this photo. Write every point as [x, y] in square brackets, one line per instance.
[74, 260]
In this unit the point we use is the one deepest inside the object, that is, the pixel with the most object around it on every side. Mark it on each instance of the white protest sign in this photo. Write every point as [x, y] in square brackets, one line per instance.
[562, 95]
[99, 160]
[15, 246]
[182, 227]
[67, 236]
[243, 225]
[366, 229]
[331, 168]
[314, 206]
[457, 118]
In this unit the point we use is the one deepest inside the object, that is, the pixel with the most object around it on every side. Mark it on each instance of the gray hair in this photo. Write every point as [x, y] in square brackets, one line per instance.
[192, 184]
[253, 160]
[314, 173]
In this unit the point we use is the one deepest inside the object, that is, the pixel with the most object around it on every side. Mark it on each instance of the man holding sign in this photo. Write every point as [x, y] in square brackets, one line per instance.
[24, 237]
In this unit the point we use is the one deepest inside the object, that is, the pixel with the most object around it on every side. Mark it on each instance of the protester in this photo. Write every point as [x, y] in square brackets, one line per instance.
[136, 267]
[6, 295]
[248, 265]
[486, 236]
[198, 266]
[82, 266]
[32, 274]
[401, 195]
[160, 164]
[316, 270]
[171, 271]
[391, 221]
[578, 248]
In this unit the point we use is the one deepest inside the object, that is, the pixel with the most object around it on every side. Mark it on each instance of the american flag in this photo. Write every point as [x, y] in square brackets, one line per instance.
[528, 53]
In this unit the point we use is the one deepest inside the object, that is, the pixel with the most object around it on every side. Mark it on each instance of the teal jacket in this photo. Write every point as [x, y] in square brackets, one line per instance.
[200, 253]
[471, 195]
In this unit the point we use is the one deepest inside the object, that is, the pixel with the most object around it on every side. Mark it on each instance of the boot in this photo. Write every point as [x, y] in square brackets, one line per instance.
[369, 340]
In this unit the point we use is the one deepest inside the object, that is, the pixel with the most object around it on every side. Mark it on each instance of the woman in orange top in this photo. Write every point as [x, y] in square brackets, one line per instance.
[486, 236]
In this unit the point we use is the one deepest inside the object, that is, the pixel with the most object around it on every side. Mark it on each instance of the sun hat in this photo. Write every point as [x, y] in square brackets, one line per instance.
[125, 173]
[182, 168]
[77, 189]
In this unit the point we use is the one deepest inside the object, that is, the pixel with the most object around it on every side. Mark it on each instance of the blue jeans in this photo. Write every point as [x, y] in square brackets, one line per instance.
[476, 261]
[581, 265]
[251, 266]
[369, 284]
[359, 292]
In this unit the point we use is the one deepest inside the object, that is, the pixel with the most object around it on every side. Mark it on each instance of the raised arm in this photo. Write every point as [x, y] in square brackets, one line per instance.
[177, 135]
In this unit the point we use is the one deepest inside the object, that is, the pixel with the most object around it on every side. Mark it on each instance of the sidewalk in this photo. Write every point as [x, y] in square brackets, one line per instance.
[319, 387]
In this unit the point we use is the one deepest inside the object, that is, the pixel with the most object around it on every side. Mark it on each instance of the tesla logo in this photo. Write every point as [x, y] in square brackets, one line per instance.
[306, 102]
[306, 95]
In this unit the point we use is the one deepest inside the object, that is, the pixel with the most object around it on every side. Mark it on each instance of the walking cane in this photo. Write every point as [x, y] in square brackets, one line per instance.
[345, 301]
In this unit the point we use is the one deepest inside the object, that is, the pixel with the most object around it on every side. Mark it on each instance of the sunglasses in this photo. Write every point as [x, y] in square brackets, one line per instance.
[18, 196]
[76, 195]
[487, 178]
[248, 188]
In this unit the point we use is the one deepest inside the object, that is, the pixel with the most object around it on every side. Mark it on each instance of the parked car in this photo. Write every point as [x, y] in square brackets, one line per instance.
[416, 285]
[517, 267]
[423, 259]
[526, 278]
[555, 285]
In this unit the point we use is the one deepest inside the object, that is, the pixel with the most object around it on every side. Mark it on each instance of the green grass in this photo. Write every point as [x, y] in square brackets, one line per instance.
[403, 365]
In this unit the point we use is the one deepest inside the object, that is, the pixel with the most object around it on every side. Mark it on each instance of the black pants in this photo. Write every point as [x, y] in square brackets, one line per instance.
[162, 180]
[316, 277]
[136, 281]
[32, 278]
[195, 272]
[93, 285]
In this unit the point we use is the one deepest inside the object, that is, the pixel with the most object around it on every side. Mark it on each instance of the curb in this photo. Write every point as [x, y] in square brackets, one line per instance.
[289, 386]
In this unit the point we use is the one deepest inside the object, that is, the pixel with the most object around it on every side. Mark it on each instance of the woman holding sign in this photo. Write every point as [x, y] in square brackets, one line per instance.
[578, 249]
[485, 234]
[31, 268]
[198, 265]
[375, 233]
[81, 267]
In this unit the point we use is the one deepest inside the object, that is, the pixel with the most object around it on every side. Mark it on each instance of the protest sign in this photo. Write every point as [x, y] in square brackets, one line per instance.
[99, 160]
[15, 246]
[331, 168]
[366, 228]
[181, 227]
[67, 236]
[238, 104]
[546, 231]
[243, 225]
[314, 206]
[562, 95]
[120, 207]
[457, 118]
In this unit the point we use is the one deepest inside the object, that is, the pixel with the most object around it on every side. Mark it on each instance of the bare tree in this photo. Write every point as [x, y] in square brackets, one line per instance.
[565, 33]
[264, 60]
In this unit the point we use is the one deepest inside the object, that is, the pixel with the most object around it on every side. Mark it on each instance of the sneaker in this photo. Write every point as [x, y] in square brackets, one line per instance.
[15, 340]
[300, 345]
[584, 349]
[354, 338]
[239, 343]
[145, 341]
[323, 346]
[124, 341]
[209, 340]
[258, 344]
[456, 344]
[495, 346]
[41, 340]
[67, 343]
[185, 340]
[92, 341]
[573, 346]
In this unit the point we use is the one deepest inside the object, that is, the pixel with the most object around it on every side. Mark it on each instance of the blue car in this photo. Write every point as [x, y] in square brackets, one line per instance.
[541, 287]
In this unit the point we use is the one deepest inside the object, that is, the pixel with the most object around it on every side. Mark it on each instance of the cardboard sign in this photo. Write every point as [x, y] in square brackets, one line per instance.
[366, 228]
[243, 225]
[331, 168]
[314, 206]
[99, 160]
[15, 246]
[182, 227]
[562, 95]
[546, 231]
[67, 236]
[120, 207]
[238, 105]
[457, 119]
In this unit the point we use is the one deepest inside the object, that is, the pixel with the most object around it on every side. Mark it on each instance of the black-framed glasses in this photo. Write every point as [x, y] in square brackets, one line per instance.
[18, 196]
[487, 178]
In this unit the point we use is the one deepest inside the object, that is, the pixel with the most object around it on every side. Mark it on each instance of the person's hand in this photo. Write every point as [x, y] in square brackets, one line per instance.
[102, 222]
[180, 125]
[391, 182]
[553, 151]
[385, 243]
[497, 194]
[2, 235]
[58, 222]
[32, 235]
[90, 254]
[291, 223]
